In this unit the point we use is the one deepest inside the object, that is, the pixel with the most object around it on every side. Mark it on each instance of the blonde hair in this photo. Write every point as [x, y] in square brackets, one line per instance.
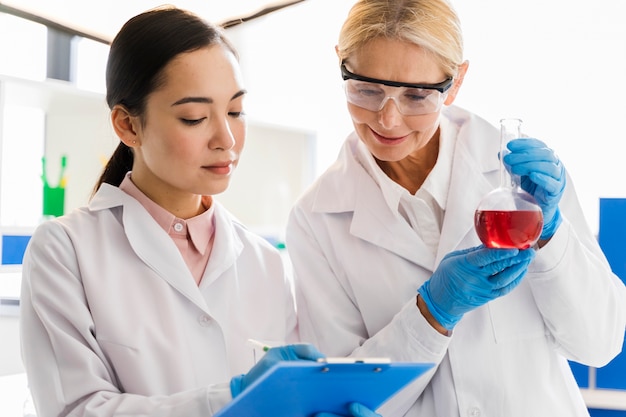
[431, 24]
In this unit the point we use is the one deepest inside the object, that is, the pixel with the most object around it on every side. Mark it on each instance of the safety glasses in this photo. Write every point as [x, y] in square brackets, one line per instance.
[411, 99]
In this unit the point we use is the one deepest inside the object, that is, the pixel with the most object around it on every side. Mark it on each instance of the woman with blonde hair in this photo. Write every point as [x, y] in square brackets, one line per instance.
[386, 258]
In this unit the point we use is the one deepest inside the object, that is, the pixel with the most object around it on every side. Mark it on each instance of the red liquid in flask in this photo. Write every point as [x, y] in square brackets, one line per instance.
[508, 229]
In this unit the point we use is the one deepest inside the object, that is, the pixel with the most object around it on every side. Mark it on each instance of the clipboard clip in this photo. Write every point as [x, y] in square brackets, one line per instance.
[349, 361]
[354, 360]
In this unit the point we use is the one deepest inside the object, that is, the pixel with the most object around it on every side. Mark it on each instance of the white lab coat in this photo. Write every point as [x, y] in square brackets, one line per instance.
[113, 323]
[358, 267]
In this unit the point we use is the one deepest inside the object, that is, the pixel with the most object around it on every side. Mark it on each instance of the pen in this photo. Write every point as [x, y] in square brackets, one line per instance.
[259, 345]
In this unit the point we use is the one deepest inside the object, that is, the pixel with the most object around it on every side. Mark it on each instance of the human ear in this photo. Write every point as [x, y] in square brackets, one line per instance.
[337, 53]
[458, 81]
[125, 125]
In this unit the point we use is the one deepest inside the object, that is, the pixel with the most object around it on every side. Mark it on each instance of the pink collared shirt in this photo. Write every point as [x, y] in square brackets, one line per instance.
[193, 237]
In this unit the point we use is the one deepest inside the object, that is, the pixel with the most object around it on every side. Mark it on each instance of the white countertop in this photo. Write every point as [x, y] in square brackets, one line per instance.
[10, 282]
[13, 394]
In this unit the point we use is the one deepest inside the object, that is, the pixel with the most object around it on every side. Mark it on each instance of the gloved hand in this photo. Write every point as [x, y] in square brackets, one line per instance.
[356, 410]
[542, 175]
[469, 278]
[274, 355]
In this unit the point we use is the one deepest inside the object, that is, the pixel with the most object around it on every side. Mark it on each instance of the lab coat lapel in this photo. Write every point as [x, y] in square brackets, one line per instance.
[227, 247]
[374, 222]
[473, 175]
[146, 237]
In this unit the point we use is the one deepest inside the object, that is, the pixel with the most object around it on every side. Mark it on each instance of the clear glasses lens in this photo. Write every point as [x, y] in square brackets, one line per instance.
[410, 101]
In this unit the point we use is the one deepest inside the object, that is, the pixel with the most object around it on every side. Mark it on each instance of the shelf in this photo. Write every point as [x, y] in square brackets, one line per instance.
[605, 399]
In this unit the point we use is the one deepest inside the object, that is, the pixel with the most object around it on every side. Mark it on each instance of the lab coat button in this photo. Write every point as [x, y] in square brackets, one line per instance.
[473, 412]
[204, 320]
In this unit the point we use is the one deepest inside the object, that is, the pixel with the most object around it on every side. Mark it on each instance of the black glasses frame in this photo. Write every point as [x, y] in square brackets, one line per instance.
[442, 87]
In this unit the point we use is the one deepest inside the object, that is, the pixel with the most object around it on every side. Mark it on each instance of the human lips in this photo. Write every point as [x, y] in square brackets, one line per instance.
[222, 168]
[388, 139]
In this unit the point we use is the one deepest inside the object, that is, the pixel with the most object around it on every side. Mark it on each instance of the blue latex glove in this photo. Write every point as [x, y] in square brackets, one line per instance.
[469, 278]
[356, 410]
[297, 352]
[542, 175]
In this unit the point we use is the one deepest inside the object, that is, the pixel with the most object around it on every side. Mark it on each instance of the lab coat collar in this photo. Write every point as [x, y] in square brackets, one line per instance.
[347, 187]
[374, 222]
[227, 246]
[144, 235]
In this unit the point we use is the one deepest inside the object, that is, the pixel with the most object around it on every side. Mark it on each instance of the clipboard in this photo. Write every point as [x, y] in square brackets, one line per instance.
[304, 388]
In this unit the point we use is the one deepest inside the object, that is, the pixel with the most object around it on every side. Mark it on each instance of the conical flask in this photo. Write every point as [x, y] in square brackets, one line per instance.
[508, 217]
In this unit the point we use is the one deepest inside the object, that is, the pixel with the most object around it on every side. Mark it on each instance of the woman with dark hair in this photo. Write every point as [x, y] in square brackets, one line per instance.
[142, 302]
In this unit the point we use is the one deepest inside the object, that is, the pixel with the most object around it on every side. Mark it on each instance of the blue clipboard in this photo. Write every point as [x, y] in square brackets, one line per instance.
[304, 388]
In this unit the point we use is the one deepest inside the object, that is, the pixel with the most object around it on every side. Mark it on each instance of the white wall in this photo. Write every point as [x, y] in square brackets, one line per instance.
[76, 125]
[276, 166]
[291, 71]
[559, 65]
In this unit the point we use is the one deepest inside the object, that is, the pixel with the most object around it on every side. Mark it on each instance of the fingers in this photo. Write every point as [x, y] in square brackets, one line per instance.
[530, 156]
[306, 351]
[527, 165]
[501, 266]
[552, 186]
[356, 410]
[543, 174]
[510, 285]
[522, 144]
[487, 258]
[509, 276]
[359, 410]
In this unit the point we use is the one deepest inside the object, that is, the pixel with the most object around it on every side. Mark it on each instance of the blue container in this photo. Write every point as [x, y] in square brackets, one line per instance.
[13, 247]
[612, 239]
[606, 413]
[581, 373]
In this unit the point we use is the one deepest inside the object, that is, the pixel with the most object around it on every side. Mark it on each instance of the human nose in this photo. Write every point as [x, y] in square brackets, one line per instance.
[389, 114]
[223, 137]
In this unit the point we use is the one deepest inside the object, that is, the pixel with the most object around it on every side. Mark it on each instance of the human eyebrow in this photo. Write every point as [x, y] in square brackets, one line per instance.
[205, 100]
[185, 100]
[238, 94]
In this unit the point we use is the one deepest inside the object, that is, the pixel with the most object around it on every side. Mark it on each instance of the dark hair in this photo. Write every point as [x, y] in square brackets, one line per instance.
[138, 55]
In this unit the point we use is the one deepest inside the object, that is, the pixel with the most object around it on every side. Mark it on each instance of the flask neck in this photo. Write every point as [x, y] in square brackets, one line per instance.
[508, 180]
[509, 129]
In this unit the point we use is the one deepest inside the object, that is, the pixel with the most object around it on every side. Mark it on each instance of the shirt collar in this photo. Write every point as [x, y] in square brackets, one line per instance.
[437, 183]
[199, 229]
[392, 191]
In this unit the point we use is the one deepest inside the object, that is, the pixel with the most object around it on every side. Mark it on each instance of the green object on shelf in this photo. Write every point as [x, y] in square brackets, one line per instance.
[53, 200]
[54, 197]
